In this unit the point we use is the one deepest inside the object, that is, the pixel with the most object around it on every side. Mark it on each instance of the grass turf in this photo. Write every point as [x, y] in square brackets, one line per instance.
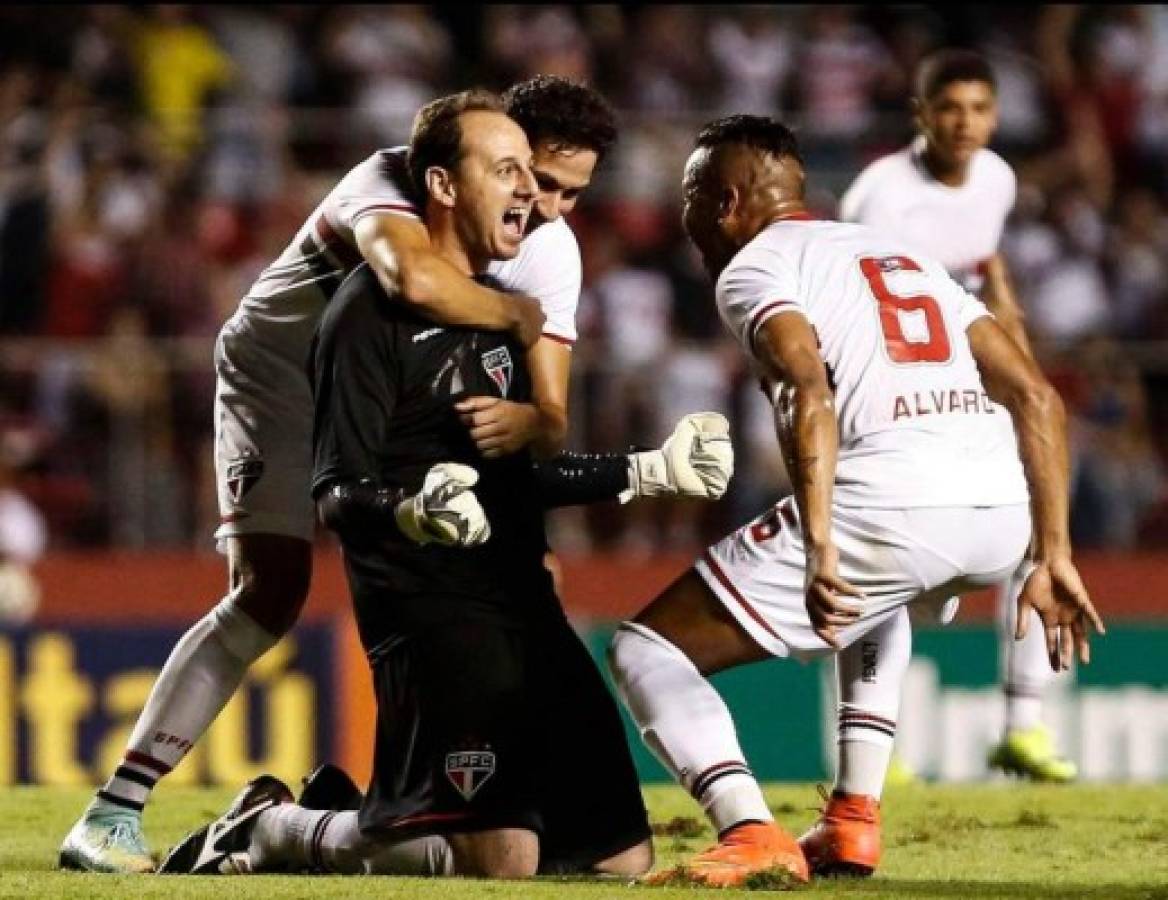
[982, 841]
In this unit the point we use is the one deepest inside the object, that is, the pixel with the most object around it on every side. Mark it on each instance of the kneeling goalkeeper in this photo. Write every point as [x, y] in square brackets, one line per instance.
[486, 697]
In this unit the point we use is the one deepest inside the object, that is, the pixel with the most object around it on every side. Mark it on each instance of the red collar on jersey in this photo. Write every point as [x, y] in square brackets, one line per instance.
[801, 216]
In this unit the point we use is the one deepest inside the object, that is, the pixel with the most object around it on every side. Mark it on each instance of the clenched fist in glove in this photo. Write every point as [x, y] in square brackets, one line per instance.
[697, 460]
[445, 511]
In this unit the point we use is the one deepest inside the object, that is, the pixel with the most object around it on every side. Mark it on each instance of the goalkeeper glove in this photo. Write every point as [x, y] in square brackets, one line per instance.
[697, 460]
[445, 511]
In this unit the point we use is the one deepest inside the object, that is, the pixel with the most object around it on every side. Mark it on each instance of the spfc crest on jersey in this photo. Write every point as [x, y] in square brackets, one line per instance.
[497, 362]
[468, 770]
[242, 474]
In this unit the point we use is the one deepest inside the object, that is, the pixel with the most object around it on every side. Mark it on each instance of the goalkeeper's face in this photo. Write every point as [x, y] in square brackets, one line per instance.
[493, 186]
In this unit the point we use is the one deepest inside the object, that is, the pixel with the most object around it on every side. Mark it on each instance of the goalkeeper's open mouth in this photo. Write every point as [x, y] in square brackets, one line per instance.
[515, 221]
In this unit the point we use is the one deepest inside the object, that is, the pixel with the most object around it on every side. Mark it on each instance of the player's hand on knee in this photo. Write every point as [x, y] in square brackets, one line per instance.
[824, 593]
[1056, 593]
[697, 460]
[445, 511]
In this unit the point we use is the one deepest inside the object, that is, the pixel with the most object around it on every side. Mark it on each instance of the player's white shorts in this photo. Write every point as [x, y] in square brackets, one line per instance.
[895, 556]
[263, 438]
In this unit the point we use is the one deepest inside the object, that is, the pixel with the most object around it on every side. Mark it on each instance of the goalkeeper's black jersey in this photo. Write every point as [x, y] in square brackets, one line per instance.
[385, 384]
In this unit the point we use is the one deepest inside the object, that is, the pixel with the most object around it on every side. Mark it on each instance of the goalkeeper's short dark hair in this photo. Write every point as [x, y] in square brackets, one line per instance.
[436, 136]
[562, 113]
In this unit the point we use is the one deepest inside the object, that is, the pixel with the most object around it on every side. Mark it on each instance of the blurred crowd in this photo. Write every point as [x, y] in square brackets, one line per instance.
[154, 159]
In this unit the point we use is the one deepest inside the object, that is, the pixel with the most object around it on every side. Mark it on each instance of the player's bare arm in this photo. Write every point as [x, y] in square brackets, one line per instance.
[399, 251]
[550, 364]
[1000, 298]
[1055, 590]
[499, 427]
[805, 419]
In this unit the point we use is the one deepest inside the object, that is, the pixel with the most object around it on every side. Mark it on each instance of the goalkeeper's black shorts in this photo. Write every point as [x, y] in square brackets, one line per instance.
[482, 725]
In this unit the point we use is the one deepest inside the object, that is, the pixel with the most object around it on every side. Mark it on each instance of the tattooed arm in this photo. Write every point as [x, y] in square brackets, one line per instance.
[809, 436]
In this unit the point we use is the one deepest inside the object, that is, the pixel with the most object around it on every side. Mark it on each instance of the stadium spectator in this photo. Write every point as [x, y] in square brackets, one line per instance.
[1120, 477]
[1069, 299]
[396, 57]
[754, 53]
[24, 536]
[179, 66]
[105, 196]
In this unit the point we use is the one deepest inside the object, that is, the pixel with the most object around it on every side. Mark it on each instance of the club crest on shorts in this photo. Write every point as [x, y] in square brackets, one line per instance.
[497, 362]
[468, 770]
[242, 474]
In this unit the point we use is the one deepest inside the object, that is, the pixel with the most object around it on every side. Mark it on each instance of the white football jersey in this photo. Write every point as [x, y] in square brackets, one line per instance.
[283, 306]
[916, 425]
[960, 227]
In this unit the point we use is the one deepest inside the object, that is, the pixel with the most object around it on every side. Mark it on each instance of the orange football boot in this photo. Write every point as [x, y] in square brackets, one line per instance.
[846, 839]
[742, 851]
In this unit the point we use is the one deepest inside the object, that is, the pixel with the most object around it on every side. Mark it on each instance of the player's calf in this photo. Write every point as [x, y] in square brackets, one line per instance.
[631, 863]
[498, 853]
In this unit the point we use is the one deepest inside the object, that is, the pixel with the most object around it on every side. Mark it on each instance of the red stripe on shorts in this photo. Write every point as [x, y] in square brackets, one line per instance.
[429, 817]
[725, 582]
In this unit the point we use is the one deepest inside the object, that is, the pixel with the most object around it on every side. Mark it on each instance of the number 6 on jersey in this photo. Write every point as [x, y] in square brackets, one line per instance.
[914, 328]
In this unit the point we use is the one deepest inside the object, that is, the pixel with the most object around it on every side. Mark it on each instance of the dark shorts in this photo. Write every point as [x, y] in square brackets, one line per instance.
[484, 726]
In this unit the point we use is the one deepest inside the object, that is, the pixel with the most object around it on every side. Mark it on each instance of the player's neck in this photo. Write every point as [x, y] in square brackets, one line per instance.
[450, 247]
[791, 210]
[949, 173]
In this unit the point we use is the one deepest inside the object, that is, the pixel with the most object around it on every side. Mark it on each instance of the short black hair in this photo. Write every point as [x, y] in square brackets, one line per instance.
[436, 137]
[562, 113]
[938, 70]
[757, 132]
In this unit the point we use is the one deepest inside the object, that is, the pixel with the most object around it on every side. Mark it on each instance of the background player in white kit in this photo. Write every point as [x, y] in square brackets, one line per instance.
[879, 366]
[947, 195]
[263, 417]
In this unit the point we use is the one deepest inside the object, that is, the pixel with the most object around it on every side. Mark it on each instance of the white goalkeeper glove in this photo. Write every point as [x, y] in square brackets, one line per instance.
[697, 460]
[445, 511]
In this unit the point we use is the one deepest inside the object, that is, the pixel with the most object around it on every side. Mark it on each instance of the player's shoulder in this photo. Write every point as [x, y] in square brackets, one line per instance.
[555, 237]
[994, 169]
[891, 169]
[761, 255]
[363, 310]
[357, 297]
[382, 174]
[550, 251]
[880, 179]
[993, 162]
[898, 163]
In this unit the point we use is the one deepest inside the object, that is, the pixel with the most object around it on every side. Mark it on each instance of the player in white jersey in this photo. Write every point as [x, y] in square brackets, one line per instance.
[880, 368]
[948, 195]
[263, 418]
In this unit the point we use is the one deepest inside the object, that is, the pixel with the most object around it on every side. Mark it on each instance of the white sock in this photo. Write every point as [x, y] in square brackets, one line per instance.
[686, 725]
[870, 673]
[204, 669]
[1026, 670]
[290, 837]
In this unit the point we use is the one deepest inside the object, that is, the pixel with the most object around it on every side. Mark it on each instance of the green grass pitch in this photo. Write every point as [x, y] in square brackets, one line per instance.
[980, 841]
